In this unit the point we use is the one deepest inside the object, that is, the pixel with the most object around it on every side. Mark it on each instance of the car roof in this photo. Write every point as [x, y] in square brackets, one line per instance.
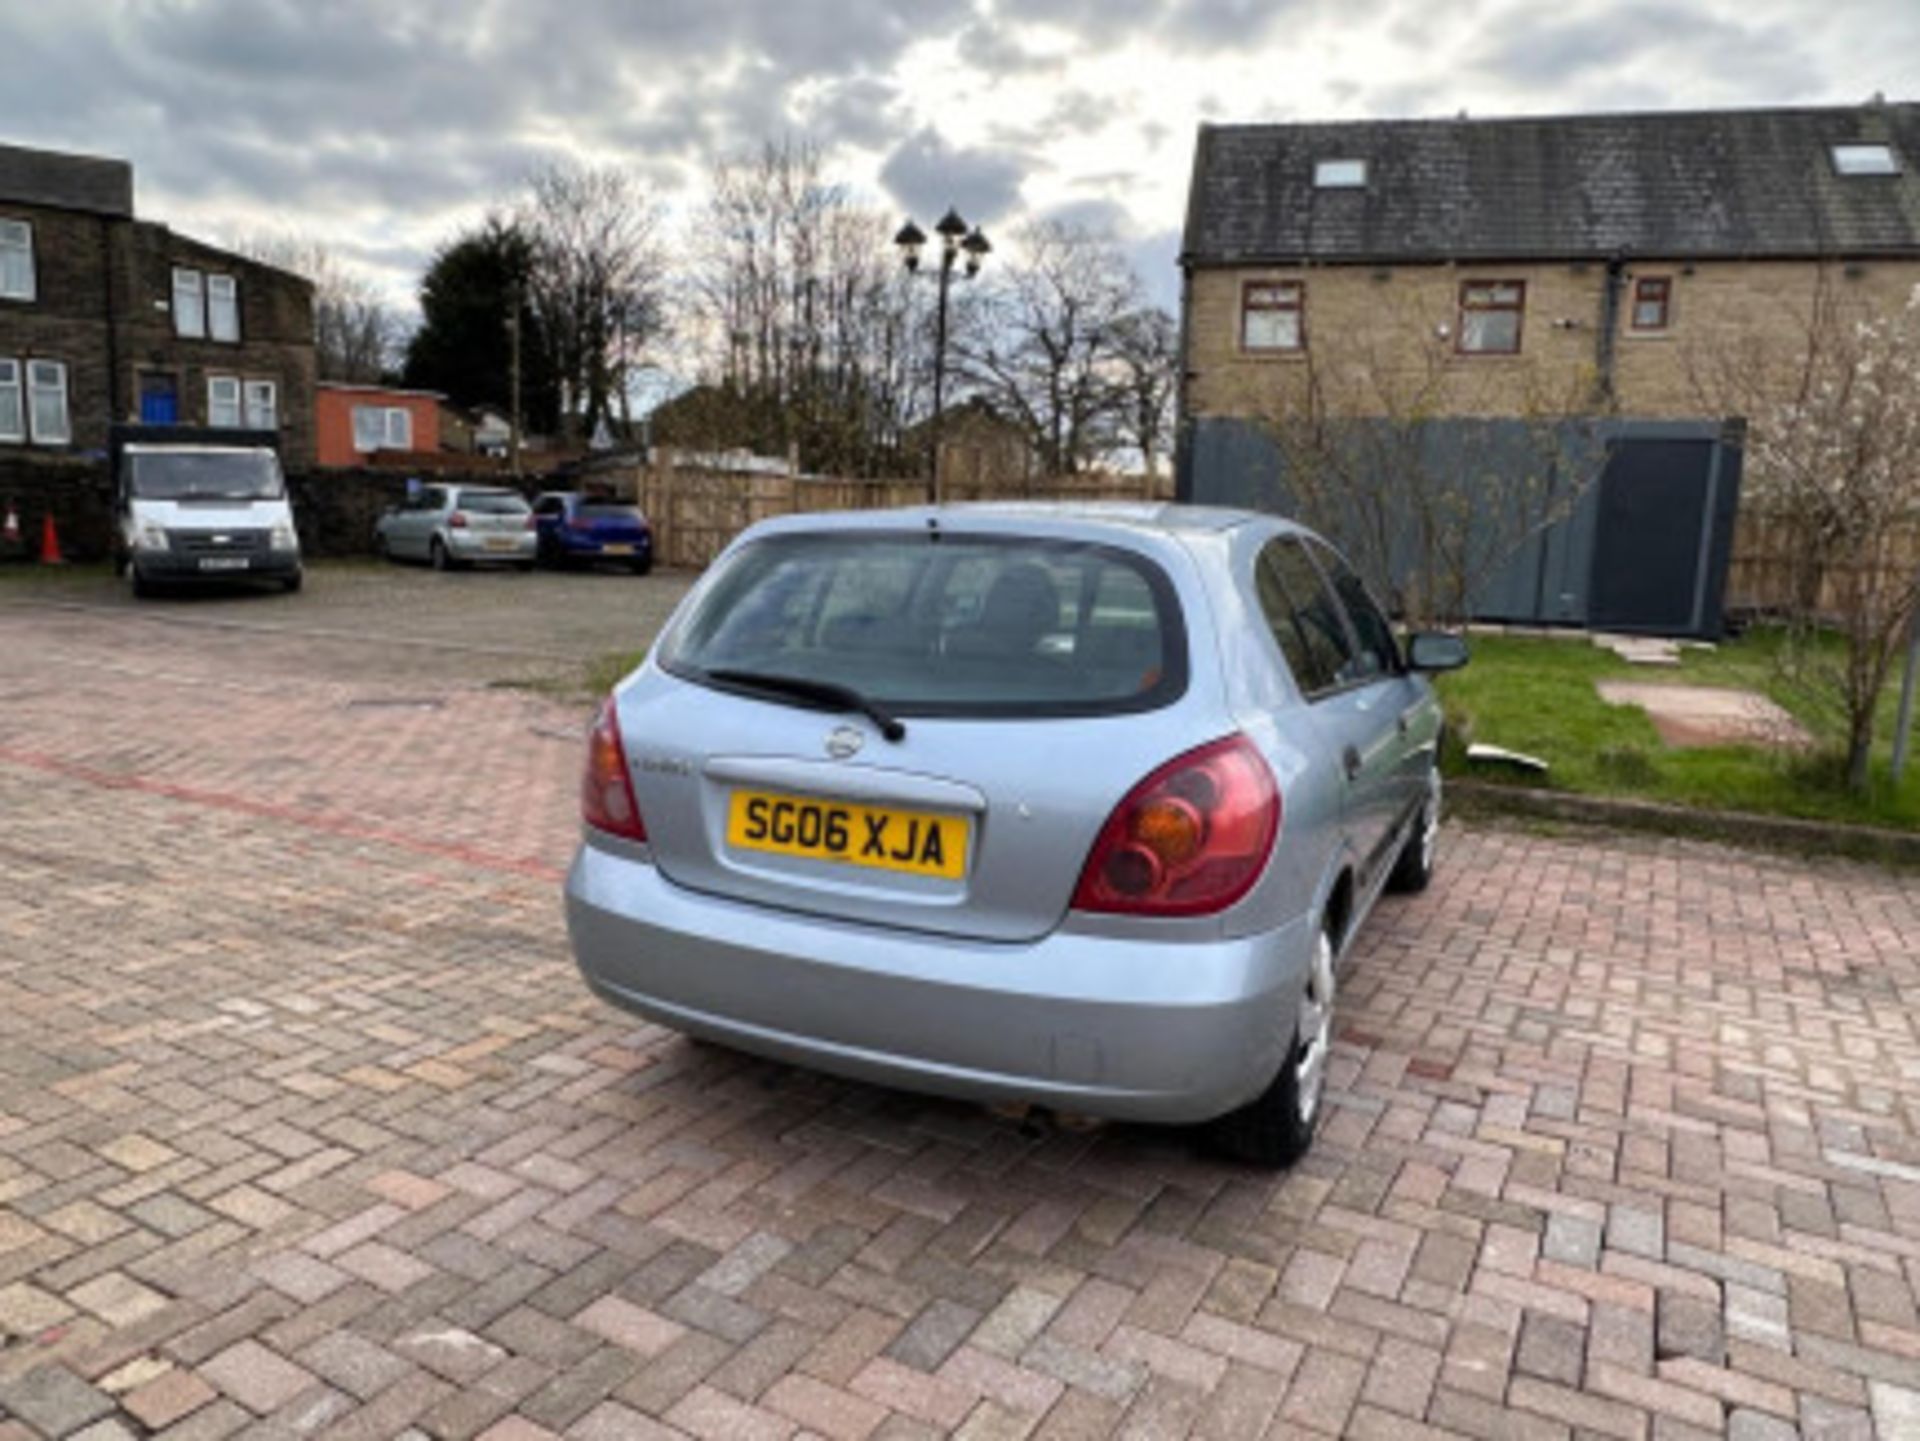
[1162, 518]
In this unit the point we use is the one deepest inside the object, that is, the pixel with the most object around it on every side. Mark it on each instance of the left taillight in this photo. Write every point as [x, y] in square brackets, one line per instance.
[606, 788]
[1189, 840]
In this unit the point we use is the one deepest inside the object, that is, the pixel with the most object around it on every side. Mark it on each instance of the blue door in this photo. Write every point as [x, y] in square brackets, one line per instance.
[159, 400]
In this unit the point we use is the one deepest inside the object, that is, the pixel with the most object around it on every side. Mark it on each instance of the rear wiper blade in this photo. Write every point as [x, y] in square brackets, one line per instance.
[822, 693]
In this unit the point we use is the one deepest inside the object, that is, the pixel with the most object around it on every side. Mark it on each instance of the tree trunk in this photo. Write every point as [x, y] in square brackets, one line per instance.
[1859, 748]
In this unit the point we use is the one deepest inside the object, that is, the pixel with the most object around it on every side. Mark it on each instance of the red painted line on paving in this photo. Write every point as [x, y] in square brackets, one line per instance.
[268, 810]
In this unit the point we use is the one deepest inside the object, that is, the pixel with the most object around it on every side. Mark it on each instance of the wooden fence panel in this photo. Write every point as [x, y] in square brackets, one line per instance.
[1766, 571]
[696, 513]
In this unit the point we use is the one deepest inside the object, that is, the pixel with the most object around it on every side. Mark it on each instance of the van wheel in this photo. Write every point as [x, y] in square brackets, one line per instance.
[142, 587]
[1414, 869]
[641, 567]
[1277, 1126]
[293, 582]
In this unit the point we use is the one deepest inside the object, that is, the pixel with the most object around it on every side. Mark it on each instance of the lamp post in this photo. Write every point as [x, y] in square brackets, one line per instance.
[956, 241]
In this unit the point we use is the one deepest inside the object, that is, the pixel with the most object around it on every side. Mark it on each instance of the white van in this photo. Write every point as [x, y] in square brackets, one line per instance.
[193, 511]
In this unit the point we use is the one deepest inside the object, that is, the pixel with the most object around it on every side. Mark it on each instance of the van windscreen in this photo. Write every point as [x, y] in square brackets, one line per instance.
[203, 475]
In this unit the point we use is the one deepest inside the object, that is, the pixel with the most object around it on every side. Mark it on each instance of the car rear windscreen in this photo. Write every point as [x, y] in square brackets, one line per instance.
[492, 502]
[959, 625]
[608, 512]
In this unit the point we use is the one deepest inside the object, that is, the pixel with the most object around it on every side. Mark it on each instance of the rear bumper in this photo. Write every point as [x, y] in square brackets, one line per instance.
[586, 547]
[469, 546]
[1140, 1030]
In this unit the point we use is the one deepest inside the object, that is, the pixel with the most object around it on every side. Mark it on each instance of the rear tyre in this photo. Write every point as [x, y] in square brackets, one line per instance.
[381, 551]
[1414, 869]
[525, 567]
[437, 555]
[641, 567]
[1277, 1126]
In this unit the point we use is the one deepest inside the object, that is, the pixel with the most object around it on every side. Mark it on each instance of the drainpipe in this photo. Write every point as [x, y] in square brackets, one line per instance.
[1604, 343]
[107, 314]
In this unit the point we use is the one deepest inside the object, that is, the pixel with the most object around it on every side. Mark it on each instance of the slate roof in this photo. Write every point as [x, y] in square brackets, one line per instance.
[68, 182]
[1676, 185]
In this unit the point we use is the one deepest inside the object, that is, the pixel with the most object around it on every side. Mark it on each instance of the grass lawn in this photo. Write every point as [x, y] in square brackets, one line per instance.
[1538, 696]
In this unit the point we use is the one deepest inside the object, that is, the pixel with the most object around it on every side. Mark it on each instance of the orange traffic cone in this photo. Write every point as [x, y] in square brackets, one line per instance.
[50, 544]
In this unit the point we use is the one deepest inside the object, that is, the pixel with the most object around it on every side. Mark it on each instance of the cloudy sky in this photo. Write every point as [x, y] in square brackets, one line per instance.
[382, 125]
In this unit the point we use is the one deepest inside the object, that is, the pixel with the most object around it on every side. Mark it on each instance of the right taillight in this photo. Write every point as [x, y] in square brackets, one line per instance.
[1190, 839]
[606, 789]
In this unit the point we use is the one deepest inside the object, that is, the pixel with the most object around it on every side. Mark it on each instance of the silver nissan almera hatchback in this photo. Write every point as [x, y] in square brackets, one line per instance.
[1072, 805]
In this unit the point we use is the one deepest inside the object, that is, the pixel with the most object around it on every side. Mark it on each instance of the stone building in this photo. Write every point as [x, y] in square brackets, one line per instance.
[1645, 266]
[107, 318]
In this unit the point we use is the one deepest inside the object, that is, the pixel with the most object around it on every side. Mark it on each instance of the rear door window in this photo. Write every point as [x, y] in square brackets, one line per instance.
[1305, 617]
[973, 625]
[1379, 653]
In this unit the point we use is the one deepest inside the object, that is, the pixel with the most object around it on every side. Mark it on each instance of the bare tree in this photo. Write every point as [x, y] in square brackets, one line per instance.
[1147, 374]
[1429, 485]
[598, 281]
[809, 325]
[1043, 343]
[1834, 464]
[357, 338]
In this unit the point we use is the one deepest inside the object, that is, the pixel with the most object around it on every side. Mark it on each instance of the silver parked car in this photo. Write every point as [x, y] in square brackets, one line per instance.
[1070, 805]
[450, 526]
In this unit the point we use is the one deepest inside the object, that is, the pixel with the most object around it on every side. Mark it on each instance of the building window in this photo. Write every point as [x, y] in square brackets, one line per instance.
[47, 402]
[1340, 175]
[1865, 160]
[381, 427]
[1652, 302]
[1490, 312]
[223, 308]
[1272, 315]
[13, 414]
[262, 405]
[223, 402]
[189, 305]
[16, 260]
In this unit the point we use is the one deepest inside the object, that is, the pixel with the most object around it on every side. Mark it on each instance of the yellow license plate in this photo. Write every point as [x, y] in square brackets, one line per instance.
[616, 550]
[880, 837]
[501, 544]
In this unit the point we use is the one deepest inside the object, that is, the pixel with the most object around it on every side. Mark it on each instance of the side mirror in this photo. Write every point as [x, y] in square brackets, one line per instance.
[1434, 650]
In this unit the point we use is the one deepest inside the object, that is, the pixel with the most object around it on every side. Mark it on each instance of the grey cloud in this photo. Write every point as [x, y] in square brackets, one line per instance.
[861, 110]
[926, 175]
[1544, 55]
[993, 49]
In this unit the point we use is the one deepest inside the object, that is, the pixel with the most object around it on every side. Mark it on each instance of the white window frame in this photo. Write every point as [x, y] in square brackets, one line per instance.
[369, 429]
[16, 238]
[223, 308]
[393, 425]
[1340, 173]
[216, 386]
[190, 314]
[13, 382]
[260, 404]
[45, 435]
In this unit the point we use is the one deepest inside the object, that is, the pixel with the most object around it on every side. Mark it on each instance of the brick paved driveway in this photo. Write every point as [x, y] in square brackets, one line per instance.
[306, 1126]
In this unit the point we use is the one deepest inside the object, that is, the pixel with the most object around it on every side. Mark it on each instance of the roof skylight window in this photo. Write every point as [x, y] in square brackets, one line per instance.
[1340, 175]
[1865, 160]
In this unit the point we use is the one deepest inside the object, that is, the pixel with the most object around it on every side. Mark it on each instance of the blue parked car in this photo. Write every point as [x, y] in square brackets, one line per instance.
[576, 529]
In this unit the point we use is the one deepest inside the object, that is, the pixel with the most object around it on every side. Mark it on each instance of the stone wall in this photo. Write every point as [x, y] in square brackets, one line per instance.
[1374, 339]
